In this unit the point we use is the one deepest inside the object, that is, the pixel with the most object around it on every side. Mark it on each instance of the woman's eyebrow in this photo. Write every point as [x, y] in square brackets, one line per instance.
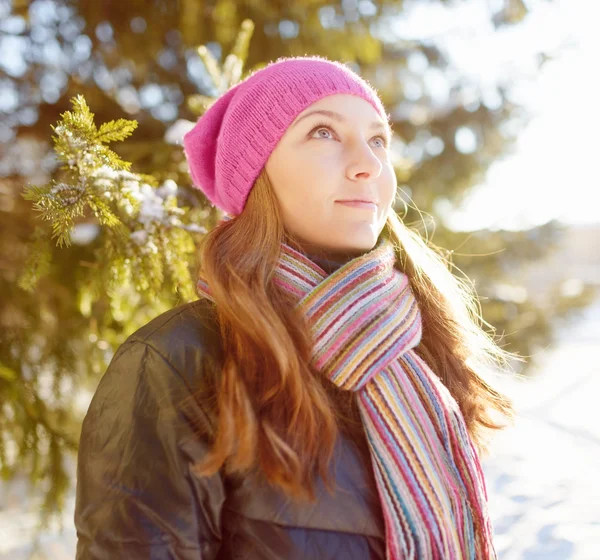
[340, 118]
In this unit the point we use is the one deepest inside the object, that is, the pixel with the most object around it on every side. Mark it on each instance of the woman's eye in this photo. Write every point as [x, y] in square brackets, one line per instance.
[323, 126]
[382, 140]
[319, 129]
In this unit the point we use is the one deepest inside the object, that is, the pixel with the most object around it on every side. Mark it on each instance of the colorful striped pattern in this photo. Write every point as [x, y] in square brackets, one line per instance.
[365, 323]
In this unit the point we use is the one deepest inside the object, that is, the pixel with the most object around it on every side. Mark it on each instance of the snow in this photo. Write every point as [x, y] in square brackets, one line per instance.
[541, 475]
[175, 133]
[543, 494]
[140, 236]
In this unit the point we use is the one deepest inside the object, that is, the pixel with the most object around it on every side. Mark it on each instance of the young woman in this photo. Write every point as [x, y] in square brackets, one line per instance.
[325, 396]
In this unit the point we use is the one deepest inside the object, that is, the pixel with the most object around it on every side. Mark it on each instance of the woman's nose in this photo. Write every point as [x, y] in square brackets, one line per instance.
[363, 163]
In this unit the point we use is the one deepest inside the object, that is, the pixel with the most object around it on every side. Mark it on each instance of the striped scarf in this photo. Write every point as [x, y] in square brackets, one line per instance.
[365, 324]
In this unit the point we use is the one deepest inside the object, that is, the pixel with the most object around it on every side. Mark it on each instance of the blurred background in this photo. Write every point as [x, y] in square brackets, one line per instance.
[493, 108]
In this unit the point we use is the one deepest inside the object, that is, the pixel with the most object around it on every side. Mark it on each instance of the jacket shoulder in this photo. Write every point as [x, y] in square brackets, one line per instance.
[184, 321]
[187, 337]
[136, 497]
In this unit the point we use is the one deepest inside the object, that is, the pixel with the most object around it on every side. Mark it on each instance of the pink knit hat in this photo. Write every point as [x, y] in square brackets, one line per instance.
[233, 139]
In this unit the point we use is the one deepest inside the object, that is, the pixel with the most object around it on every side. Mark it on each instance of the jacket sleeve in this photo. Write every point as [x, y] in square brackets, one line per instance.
[136, 496]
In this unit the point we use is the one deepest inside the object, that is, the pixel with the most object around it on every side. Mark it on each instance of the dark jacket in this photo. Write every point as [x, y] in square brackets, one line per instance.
[152, 417]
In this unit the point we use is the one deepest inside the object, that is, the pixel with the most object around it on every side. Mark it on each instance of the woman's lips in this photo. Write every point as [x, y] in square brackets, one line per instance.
[358, 204]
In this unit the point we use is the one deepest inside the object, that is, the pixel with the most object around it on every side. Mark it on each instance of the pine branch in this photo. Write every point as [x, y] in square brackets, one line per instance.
[231, 72]
[114, 131]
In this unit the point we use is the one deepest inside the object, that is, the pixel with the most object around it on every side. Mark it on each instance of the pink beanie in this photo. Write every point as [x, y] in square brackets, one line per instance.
[233, 139]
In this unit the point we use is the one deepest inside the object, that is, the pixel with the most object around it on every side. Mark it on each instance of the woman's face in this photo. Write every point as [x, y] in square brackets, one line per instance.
[327, 157]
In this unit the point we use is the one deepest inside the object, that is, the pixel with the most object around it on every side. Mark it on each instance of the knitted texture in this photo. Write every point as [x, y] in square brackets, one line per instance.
[365, 324]
[233, 139]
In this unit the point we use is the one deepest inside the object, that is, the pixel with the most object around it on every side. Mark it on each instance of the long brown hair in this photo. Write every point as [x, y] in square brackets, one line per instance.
[274, 413]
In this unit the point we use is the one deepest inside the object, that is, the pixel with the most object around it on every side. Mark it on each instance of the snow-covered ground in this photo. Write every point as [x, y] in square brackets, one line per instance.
[542, 477]
[542, 474]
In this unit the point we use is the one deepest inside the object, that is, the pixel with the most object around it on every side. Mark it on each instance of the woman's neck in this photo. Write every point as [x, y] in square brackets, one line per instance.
[330, 263]
[328, 259]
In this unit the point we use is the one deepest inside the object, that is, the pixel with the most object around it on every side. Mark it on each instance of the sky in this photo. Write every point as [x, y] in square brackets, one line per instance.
[552, 173]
